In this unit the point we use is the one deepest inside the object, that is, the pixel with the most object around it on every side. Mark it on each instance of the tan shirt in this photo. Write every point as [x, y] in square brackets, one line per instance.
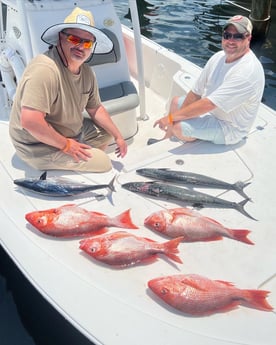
[48, 86]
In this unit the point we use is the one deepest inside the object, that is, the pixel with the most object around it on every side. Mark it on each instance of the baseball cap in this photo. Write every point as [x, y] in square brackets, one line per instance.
[241, 23]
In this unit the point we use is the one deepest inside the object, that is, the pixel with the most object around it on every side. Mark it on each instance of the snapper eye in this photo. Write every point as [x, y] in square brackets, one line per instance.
[164, 291]
[42, 220]
[93, 249]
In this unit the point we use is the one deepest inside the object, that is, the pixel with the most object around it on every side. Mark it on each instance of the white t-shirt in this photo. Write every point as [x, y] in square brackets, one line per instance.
[236, 89]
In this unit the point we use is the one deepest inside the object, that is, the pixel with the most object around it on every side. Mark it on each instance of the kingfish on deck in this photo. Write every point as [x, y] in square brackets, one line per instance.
[196, 199]
[190, 178]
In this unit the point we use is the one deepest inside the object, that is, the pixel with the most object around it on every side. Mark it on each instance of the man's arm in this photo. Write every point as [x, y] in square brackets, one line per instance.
[193, 107]
[101, 117]
[34, 122]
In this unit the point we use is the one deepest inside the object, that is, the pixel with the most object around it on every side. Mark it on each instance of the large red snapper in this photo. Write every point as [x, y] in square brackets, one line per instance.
[200, 296]
[123, 249]
[192, 226]
[71, 220]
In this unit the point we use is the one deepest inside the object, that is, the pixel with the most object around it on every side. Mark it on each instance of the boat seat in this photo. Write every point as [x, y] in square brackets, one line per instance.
[121, 96]
[111, 57]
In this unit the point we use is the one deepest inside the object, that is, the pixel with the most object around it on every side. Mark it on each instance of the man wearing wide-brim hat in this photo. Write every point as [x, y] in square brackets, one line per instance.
[47, 125]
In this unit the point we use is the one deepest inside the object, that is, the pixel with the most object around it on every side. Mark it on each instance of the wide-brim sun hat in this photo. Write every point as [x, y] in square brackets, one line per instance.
[241, 23]
[79, 19]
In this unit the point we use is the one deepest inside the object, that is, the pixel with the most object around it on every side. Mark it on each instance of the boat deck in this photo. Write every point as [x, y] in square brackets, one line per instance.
[120, 298]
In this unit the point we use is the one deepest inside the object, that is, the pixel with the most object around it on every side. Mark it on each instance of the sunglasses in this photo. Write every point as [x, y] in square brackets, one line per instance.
[236, 37]
[75, 40]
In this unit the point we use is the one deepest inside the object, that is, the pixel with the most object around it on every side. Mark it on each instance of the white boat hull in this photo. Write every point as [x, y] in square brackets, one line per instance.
[114, 306]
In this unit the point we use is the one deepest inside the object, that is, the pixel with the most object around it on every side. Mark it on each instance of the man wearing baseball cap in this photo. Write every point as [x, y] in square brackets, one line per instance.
[241, 23]
[47, 126]
[223, 104]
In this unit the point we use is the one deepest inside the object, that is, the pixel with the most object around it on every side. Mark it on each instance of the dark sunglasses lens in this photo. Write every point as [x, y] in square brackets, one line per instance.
[237, 37]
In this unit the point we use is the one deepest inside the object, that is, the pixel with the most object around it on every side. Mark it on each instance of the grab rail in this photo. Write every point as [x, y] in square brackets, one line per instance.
[139, 58]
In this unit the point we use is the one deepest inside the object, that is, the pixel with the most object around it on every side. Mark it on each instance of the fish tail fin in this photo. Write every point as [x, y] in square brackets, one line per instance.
[241, 235]
[124, 220]
[239, 188]
[171, 249]
[111, 184]
[257, 299]
[240, 208]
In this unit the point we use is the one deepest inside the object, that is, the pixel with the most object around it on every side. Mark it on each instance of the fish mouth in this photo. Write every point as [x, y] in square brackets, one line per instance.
[135, 187]
[153, 284]
[139, 186]
[29, 217]
[146, 221]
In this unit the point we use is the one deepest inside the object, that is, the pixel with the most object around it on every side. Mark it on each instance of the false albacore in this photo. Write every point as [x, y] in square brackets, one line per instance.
[196, 199]
[184, 177]
[59, 186]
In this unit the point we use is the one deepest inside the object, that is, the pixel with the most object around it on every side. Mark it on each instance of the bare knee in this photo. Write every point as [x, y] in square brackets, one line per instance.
[174, 104]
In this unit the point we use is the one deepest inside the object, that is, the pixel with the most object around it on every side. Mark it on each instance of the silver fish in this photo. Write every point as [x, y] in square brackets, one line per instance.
[184, 177]
[196, 199]
[56, 186]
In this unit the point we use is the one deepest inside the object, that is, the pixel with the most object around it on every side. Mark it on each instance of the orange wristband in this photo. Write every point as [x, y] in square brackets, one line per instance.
[170, 119]
[67, 146]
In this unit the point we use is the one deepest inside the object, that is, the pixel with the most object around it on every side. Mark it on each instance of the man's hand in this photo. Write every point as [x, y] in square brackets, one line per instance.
[121, 149]
[77, 150]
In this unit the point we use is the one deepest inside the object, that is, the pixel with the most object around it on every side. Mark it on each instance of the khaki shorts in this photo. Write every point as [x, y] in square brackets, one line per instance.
[44, 157]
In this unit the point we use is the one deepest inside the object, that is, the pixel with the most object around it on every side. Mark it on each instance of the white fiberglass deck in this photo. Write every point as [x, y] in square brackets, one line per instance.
[114, 306]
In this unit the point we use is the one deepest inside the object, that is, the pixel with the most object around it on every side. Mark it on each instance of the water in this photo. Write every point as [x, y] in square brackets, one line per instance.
[190, 28]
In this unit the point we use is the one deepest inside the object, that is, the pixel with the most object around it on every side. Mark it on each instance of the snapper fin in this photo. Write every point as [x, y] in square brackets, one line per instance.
[212, 238]
[171, 249]
[241, 235]
[227, 284]
[149, 260]
[193, 284]
[231, 306]
[184, 211]
[94, 233]
[257, 299]
[124, 220]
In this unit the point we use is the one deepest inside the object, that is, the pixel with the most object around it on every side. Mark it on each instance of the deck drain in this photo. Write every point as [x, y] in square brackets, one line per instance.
[179, 162]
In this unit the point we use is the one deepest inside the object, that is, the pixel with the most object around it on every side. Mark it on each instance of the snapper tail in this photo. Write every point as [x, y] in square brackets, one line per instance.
[170, 249]
[124, 220]
[240, 235]
[257, 299]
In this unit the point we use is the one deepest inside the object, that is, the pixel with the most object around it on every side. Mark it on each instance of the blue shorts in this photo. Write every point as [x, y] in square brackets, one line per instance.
[206, 127]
